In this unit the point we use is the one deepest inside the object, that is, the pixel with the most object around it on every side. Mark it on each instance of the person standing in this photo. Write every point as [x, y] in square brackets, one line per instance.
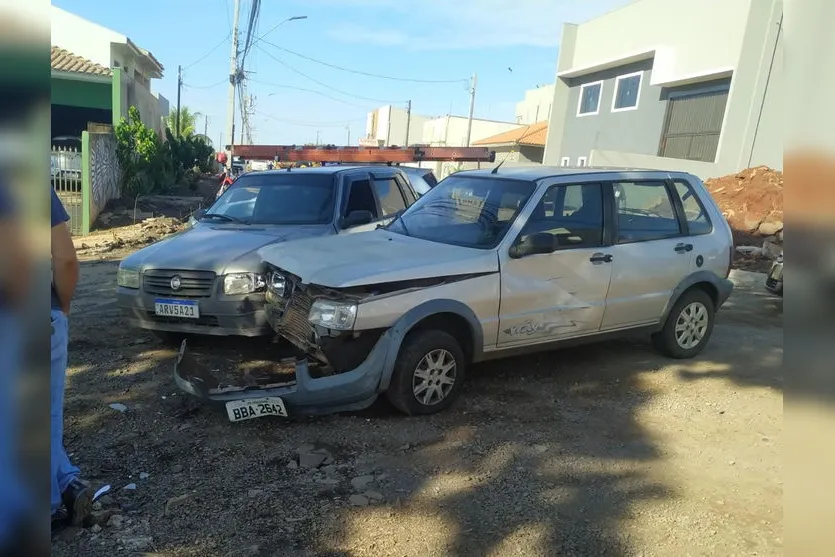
[71, 498]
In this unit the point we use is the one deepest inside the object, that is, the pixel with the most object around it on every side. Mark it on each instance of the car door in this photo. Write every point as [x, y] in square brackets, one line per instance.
[650, 255]
[357, 195]
[561, 294]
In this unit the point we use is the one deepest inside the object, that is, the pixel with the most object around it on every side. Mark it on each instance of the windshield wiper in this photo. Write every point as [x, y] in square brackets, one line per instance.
[227, 218]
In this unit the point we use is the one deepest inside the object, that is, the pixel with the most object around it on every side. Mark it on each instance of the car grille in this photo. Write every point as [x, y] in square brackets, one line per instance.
[294, 324]
[194, 284]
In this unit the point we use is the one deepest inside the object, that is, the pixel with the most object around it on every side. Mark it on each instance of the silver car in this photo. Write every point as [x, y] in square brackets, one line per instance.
[485, 265]
[210, 279]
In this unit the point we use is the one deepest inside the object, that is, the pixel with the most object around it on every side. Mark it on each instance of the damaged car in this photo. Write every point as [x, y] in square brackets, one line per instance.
[486, 264]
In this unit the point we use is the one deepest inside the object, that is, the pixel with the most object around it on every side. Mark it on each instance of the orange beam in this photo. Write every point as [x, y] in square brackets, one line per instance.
[364, 154]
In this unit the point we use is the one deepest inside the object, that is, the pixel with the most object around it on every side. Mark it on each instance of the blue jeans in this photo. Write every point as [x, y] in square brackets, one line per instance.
[63, 472]
[13, 498]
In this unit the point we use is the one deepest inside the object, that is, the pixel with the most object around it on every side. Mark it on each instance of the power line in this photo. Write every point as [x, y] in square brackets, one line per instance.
[213, 85]
[333, 124]
[325, 85]
[314, 91]
[360, 72]
[218, 45]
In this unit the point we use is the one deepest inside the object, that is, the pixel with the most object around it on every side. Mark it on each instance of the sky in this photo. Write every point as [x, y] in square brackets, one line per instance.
[511, 45]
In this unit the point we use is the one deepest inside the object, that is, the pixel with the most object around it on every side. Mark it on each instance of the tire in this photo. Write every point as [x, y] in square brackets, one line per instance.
[694, 311]
[417, 349]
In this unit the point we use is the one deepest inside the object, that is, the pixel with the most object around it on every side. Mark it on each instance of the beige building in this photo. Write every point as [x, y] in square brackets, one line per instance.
[536, 106]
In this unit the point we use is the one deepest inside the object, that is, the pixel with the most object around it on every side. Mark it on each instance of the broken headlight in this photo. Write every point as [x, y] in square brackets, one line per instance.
[127, 278]
[243, 283]
[333, 315]
[277, 284]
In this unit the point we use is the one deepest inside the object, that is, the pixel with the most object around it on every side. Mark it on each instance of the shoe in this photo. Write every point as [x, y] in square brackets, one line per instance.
[78, 498]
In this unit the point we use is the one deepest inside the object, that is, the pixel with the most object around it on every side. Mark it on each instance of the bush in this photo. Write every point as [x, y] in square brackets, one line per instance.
[190, 152]
[146, 162]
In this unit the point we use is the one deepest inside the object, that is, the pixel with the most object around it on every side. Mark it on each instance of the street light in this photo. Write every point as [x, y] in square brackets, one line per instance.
[279, 24]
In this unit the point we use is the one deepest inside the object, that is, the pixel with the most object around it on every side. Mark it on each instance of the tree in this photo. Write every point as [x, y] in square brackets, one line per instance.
[188, 121]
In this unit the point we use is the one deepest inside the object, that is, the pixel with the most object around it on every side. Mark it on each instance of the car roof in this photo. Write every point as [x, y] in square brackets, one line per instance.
[534, 173]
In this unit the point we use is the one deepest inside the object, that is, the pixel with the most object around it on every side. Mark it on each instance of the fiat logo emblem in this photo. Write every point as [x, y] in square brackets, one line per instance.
[175, 282]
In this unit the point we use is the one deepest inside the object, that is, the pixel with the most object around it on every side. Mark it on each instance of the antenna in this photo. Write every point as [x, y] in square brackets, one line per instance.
[498, 166]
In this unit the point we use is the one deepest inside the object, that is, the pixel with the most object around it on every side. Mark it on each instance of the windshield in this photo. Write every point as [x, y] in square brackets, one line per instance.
[276, 198]
[470, 211]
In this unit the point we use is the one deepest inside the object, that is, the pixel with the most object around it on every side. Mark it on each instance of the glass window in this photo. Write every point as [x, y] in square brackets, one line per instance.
[626, 92]
[466, 211]
[590, 98]
[573, 215]
[644, 212]
[391, 198]
[361, 198]
[277, 199]
[697, 220]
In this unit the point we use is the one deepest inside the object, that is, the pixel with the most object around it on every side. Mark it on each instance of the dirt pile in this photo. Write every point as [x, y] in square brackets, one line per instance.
[752, 201]
[133, 236]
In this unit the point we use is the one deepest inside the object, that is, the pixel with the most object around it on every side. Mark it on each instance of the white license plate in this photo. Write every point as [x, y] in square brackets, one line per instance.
[240, 410]
[177, 308]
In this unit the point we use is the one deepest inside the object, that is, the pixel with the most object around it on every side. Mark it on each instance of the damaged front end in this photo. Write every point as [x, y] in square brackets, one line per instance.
[319, 321]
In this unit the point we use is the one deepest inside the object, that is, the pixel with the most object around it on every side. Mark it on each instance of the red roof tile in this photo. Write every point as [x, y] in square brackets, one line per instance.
[64, 61]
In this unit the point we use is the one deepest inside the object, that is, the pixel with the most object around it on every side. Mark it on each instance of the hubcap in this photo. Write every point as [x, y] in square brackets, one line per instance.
[434, 377]
[691, 325]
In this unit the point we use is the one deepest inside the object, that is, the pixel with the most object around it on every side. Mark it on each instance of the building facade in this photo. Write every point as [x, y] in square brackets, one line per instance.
[691, 85]
[388, 125]
[102, 72]
[536, 106]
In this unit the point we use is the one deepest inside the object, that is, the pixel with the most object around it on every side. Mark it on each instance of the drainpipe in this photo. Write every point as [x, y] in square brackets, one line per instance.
[765, 91]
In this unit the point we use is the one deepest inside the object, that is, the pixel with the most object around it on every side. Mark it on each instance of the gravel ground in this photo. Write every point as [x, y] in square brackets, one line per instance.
[603, 450]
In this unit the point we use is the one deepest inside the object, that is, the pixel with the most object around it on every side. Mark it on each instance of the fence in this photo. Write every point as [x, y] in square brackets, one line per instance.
[86, 178]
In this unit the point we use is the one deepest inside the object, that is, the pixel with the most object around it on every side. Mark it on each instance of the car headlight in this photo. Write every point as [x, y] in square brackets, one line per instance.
[277, 284]
[243, 283]
[333, 315]
[127, 278]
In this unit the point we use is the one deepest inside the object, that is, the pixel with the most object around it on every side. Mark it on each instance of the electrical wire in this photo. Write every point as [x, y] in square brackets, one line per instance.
[333, 124]
[211, 50]
[325, 85]
[213, 85]
[359, 72]
[314, 91]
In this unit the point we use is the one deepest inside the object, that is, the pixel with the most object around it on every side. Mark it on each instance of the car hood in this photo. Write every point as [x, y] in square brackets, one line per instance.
[375, 257]
[218, 248]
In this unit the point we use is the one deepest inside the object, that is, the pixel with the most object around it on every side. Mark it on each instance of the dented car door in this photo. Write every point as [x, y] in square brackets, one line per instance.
[556, 289]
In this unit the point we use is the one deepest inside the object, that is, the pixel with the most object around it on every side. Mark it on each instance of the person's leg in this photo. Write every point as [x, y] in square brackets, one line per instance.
[63, 472]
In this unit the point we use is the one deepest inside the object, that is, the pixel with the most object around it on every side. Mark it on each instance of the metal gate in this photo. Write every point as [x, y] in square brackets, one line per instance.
[67, 181]
[693, 125]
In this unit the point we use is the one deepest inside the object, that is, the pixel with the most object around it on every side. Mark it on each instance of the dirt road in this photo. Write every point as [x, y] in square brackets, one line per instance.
[603, 450]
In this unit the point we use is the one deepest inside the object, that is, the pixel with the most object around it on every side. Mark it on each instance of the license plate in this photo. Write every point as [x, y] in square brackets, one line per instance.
[240, 410]
[177, 308]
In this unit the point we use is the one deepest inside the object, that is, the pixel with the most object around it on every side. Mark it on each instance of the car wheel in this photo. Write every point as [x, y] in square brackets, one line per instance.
[688, 326]
[428, 373]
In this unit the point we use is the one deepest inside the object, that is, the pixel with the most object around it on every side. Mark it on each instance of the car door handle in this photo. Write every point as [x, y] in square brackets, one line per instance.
[601, 258]
[683, 248]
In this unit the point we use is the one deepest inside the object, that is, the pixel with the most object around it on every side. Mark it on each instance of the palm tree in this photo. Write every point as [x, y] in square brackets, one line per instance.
[188, 120]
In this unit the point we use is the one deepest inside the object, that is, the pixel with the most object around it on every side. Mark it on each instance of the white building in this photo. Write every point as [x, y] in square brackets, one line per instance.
[388, 124]
[692, 85]
[536, 107]
[132, 67]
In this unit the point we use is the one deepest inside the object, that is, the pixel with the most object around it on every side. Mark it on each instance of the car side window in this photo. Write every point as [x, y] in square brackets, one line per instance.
[644, 212]
[572, 214]
[408, 192]
[391, 198]
[698, 222]
[361, 197]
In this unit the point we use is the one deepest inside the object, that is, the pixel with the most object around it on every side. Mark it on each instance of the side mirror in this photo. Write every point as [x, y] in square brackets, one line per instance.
[198, 213]
[532, 244]
[356, 218]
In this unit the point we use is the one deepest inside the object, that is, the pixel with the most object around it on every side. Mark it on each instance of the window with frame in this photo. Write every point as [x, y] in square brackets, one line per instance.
[390, 196]
[590, 94]
[565, 161]
[644, 212]
[627, 89]
[571, 214]
[694, 211]
[581, 161]
[361, 197]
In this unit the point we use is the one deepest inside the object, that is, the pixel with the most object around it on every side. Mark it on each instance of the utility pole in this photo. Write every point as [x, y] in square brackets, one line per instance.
[348, 129]
[179, 90]
[408, 120]
[233, 79]
[472, 108]
[317, 138]
[206, 125]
